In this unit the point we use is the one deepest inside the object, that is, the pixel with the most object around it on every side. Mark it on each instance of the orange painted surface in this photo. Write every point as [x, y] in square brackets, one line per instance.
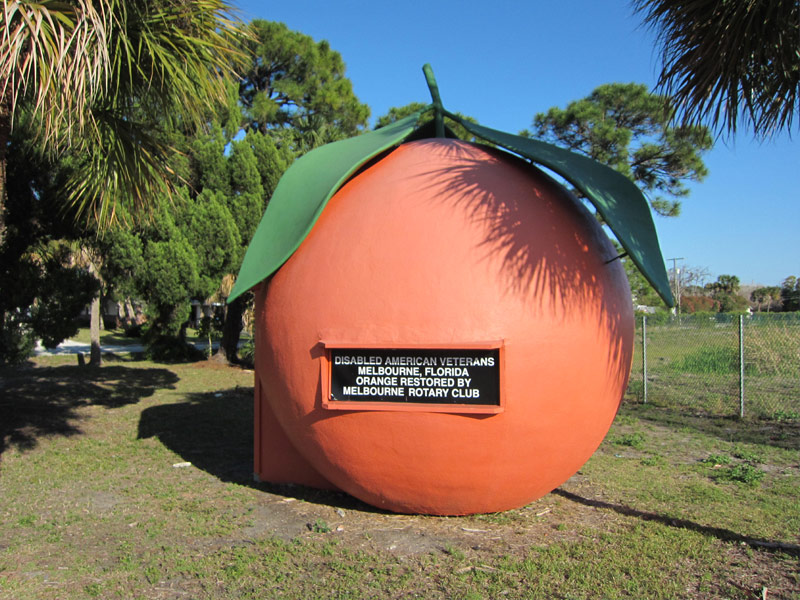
[275, 458]
[443, 242]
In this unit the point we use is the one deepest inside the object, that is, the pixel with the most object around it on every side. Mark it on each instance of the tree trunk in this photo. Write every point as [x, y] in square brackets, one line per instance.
[130, 314]
[95, 358]
[95, 317]
[5, 133]
[228, 350]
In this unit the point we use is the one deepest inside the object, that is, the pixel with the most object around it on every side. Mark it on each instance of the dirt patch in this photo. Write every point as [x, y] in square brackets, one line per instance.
[308, 514]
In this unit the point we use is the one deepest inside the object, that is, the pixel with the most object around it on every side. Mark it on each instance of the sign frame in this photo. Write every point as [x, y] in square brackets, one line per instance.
[329, 403]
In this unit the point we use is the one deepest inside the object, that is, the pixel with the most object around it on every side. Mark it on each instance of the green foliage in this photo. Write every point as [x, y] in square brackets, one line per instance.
[247, 201]
[196, 233]
[210, 329]
[56, 295]
[747, 453]
[641, 290]
[790, 293]
[397, 113]
[725, 284]
[243, 169]
[786, 415]
[170, 277]
[127, 72]
[124, 260]
[400, 112]
[298, 86]
[633, 440]
[68, 291]
[320, 526]
[732, 303]
[628, 128]
[248, 352]
[17, 339]
[768, 295]
[725, 291]
[699, 304]
[717, 459]
[168, 348]
[43, 288]
[654, 461]
[209, 165]
[212, 233]
[740, 473]
[272, 159]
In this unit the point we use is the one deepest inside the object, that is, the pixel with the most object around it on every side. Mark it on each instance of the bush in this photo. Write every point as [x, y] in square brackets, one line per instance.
[17, 341]
[64, 293]
[699, 304]
[633, 440]
[660, 317]
[171, 349]
[733, 303]
[247, 352]
[741, 473]
[134, 331]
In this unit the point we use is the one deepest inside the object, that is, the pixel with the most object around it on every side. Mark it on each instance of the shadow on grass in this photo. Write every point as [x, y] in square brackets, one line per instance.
[781, 434]
[717, 532]
[214, 432]
[44, 401]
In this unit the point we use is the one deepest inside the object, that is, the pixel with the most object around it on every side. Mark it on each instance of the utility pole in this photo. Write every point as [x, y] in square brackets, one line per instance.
[677, 280]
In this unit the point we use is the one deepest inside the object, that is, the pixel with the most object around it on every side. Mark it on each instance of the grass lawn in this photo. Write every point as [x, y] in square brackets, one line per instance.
[694, 367]
[134, 481]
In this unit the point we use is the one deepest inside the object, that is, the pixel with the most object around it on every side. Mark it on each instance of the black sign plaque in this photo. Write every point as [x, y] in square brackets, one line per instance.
[420, 376]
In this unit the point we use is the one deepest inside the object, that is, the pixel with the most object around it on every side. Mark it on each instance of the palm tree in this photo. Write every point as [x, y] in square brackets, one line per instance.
[93, 77]
[729, 61]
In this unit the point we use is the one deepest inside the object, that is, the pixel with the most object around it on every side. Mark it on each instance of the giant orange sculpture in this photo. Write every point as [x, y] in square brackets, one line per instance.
[451, 333]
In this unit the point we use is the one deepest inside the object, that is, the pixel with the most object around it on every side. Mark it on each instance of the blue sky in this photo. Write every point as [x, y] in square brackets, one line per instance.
[502, 61]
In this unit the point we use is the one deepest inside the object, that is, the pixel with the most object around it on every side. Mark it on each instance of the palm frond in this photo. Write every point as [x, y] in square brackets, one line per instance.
[729, 61]
[87, 70]
[53, 54]
[123, 167]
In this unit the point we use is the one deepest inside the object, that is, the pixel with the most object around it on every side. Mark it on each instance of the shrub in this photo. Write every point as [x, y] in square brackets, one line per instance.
[247, 352]
[717, 459]
[16, 340]
[634, 440]
[695, 304]
[171, 349]
[741, 473]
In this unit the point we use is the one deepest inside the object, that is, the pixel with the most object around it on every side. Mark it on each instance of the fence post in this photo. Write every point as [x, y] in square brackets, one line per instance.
[644, 358]
[741, 366]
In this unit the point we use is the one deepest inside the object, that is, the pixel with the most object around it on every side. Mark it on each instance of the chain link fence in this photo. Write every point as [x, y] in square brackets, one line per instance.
[724, 365]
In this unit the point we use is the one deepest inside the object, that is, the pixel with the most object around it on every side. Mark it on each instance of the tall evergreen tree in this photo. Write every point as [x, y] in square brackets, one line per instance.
[43, 288]
[294, 96]
[399, 112]
[628, 128]
[296, 88]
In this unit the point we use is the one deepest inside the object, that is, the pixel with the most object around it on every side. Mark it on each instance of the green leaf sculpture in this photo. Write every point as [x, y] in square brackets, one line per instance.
[306, 187]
